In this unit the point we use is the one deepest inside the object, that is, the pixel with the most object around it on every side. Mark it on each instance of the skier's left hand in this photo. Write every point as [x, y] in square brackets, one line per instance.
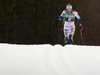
[81, 28]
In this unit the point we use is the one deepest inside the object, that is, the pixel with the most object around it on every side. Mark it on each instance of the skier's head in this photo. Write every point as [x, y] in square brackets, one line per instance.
[69, 7]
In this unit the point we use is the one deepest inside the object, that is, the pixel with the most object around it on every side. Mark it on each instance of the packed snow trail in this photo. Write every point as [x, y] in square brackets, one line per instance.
[49, 60]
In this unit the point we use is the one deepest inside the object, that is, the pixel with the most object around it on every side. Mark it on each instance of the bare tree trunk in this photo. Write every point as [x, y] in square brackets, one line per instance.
[7, 28]
[36, 11]
[15, 26]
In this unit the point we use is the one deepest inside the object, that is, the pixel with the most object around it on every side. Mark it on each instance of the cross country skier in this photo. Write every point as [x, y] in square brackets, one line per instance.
[69, 27]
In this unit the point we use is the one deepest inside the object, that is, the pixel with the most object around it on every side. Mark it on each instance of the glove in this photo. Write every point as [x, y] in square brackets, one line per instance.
[61, 17]
[81, 27]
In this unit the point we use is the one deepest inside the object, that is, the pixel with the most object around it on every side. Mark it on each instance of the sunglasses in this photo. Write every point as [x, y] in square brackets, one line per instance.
[69, 7]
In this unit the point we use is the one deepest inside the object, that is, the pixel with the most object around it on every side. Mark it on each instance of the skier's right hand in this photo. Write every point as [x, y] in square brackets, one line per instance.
[61, 17]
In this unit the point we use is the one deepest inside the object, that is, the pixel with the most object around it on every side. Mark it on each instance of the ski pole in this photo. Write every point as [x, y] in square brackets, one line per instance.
[61, 30]
[81, 36]
[62, 25]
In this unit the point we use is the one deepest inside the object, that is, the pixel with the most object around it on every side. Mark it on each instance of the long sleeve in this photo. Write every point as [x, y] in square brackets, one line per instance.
[61, 16]
[78, 17]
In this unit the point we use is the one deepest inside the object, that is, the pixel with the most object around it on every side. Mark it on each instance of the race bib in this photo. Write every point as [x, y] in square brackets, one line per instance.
[69, 16]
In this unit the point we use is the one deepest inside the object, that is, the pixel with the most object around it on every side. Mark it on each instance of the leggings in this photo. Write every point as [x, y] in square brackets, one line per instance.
[69, 30]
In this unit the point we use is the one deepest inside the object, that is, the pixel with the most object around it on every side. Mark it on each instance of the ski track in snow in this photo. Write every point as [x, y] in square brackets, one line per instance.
[49, 60]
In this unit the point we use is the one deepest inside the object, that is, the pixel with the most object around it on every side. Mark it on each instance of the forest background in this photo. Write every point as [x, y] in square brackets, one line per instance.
[37, 21]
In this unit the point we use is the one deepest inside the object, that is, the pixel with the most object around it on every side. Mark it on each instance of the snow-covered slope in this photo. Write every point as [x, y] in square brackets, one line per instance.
[49, 60]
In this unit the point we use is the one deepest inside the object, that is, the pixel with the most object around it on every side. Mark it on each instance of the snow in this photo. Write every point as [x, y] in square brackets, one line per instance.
[49, 60]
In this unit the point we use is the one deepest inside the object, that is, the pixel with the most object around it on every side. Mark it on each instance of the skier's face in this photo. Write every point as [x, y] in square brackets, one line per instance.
[69, 10]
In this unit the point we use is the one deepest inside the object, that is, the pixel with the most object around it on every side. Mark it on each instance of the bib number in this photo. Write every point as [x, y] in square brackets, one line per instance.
[69, 19]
